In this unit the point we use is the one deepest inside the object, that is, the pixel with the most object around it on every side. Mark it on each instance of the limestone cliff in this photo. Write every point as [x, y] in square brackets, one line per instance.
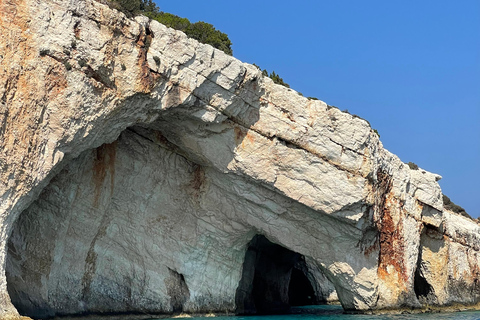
[144, 172]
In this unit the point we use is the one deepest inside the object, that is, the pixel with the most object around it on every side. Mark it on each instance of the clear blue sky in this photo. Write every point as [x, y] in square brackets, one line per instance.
[411, 68]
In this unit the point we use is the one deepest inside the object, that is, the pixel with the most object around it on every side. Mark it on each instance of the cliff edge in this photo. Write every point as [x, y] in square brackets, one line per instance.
[144, 172]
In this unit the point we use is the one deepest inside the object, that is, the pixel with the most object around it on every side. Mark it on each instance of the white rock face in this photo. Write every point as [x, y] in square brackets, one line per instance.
[134, 178]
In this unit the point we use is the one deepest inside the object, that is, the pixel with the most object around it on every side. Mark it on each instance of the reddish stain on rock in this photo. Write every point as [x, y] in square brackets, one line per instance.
[239, 134]
[160, 138]
[243, 136]
[148, 79]
[198, 177]
[56, 81]
[197, 183]
[391, 240]
[103, 163]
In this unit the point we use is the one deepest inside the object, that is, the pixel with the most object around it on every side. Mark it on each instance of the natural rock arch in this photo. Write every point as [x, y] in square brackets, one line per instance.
[86, 245]
[356, 210]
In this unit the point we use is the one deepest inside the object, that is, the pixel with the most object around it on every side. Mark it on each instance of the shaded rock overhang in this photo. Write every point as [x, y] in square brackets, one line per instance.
[74, 75]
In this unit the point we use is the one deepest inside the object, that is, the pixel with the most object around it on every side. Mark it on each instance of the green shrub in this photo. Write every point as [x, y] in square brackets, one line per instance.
[133, 7]
[412, 166]
[376, 131]
[67, 65]
[278, 80]
[275, 77]
[201, 31]
[449, 205]
[312, 98]
[206, 33]
[171, 20]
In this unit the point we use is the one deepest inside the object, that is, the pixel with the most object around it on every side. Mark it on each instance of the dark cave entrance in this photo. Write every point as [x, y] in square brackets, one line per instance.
[300, 290]
[273, 279]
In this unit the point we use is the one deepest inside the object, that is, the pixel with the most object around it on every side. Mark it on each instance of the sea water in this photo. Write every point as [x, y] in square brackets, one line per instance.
[333, 312]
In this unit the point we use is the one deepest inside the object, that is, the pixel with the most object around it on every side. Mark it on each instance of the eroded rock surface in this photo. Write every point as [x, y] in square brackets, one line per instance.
[137, 166]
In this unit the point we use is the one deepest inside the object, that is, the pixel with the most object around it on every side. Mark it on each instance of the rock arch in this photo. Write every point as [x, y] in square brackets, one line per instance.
[134, 226]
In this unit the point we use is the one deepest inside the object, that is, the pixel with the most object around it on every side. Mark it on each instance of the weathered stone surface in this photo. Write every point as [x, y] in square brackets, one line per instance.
[449, 265]
[137, 166]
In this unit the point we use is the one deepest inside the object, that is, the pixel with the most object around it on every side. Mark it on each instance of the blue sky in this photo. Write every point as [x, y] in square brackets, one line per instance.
[411, 68]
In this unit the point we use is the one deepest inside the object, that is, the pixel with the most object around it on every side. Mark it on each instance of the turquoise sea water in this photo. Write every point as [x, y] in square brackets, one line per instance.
[332, 312]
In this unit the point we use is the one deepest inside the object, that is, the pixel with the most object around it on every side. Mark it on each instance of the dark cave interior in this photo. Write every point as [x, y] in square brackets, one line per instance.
[300, 290]
[273, 280]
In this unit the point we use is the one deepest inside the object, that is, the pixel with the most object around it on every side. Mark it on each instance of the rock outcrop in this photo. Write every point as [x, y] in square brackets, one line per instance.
[144, 172]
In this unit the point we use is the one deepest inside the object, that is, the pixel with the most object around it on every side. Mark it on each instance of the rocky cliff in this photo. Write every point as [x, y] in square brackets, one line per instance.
[144, 172]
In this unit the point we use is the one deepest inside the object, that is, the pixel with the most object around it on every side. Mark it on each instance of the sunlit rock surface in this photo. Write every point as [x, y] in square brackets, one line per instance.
[139, 168]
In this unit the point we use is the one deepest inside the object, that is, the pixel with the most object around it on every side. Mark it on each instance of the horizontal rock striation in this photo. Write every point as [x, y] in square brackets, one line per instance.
[144, 172]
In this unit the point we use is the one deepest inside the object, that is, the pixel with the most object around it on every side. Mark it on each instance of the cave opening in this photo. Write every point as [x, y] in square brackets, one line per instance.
[421, 286]
[273, 280]
[300, 290]
[430, 239]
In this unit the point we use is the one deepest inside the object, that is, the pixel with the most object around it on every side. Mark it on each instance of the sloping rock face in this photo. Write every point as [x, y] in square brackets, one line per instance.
[139, 168]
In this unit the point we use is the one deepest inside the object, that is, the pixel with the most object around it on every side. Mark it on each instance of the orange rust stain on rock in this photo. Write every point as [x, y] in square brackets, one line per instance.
[391, 266]
[197, 183]
[239, 134]
[55, 81]
[148, 79]
[243, 136]
[392, 249]
[23, 92]
[104, 162]
[249, 138]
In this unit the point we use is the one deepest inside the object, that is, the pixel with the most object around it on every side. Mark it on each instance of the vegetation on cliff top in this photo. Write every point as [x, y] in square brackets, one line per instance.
[275, 77]
[449, 205]
[412, 165]
[201, 31]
